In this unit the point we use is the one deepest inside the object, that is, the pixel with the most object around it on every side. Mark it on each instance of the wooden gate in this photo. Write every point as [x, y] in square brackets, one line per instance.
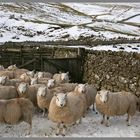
[44, 58]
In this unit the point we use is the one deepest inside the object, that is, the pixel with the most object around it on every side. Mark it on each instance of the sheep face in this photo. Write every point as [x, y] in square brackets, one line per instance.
[34, 81]
[81, 88]
[40, 74]
[1, 67]
[61, 99]
[42, 91]
[51, 83]
[103, 96]
[22, 88]
[3, 80]
[12, 67]
[65, 76]
[30, 73]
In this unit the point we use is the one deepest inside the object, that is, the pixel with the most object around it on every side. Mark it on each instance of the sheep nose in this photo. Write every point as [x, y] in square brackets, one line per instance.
[61, 104]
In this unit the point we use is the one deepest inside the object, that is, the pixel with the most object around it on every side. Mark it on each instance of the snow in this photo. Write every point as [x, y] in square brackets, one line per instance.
[135, 47]
[90, 127]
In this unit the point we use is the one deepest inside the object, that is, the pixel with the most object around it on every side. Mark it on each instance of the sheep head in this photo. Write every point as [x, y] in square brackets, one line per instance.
[31, 73]
[51, 83]
[61, 99]
[42, 91]
[81, 88]
[103, 95]
[22, 88]
[40, 74]
[34, 81]
[3, 80]
[65, 76]
[12, 67]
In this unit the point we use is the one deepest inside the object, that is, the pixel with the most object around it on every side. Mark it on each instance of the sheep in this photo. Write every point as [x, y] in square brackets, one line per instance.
[19, 72]
[64, 87]
[26, 91]
[8, 92]
[90, 92]
[39, 81]
[31, 73]
[15, 110]
[65, 109]
[25, 78]
[5, 81]
[1, 67]
[61, 77]
[44, 75]
[117, 103]
[7, 73]
[12, 67]
[44, 97]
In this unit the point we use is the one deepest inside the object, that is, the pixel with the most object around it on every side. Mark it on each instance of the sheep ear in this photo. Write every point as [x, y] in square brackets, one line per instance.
[65, 95]
[55, 94]
[54, 81]
[60, 72]
[67, 72]
[86, 84]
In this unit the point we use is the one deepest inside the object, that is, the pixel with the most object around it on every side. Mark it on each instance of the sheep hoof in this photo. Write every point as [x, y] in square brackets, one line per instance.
[107, 125]
[56, 134]
[63, 135]
[128, 124]
[102, 122]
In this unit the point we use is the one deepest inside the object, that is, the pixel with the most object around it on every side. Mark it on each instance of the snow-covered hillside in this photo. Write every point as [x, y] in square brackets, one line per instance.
[68, 21]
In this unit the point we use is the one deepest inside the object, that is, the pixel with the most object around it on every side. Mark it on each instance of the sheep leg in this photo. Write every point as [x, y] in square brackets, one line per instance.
[29, 130]
[129, 120]
[64, 130]
[58, 129]
[107, 121]
[103, 120]
[79, 121]
[44, 112]
[93, 108]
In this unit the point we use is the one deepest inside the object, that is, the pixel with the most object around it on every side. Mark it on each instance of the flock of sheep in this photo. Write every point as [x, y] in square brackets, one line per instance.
[24, 93]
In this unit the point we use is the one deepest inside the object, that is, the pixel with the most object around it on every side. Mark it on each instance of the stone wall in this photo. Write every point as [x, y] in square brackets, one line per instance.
[114, 71]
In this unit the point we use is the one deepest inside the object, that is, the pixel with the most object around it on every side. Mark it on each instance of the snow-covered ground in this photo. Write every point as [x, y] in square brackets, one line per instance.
[90, 127]
[135, 47]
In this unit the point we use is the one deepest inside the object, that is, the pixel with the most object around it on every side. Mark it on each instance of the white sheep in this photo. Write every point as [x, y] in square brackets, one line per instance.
[44, 97]
[63, 87]
[12, 67]
[44, 75]
[65, 110]
[29, 91]
[7, 73]
[90, 92]
[37, 80]
[15, 110]
[25, 78]
[5, 81]
[115, 103]
[8, 92]
[61, 77]
[26, 91]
